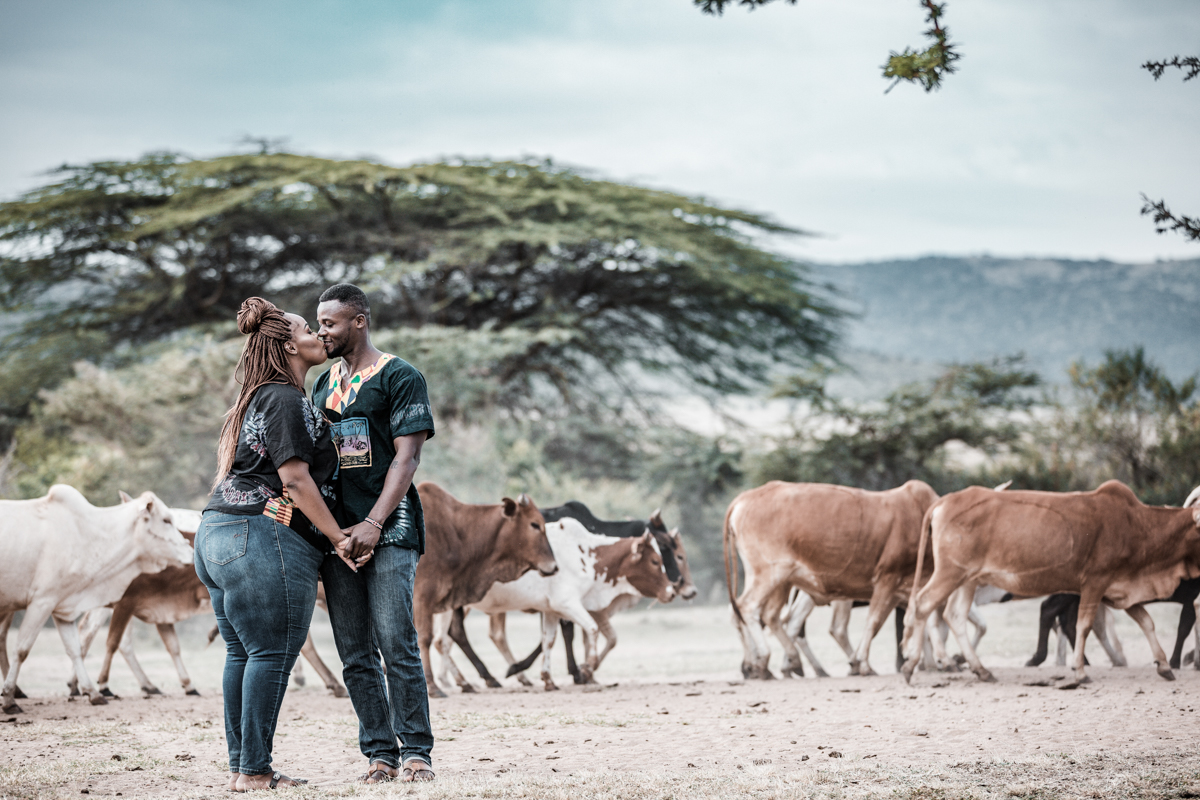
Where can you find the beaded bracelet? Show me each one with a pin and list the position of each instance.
(373, 522)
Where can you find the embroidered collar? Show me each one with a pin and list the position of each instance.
(343, 390)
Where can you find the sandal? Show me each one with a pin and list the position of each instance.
(414, 770)
(378, 773)
(276, 777)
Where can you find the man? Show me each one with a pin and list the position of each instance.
(378, 405)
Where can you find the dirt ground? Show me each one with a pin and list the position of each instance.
(645, 734)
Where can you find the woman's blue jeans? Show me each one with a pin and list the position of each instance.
(372, 615)
(262, 578)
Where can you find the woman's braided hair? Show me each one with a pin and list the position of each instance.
(263, 361)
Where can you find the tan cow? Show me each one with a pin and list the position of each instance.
(834, 542)
(1104, 545)
(61, 556)
(468, 549)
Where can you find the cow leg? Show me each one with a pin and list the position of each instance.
(1142, 617)
(609, 633)
(31, 625)
(549, 632)
(298, 676)
(423, 621)
(1047, 614)
(1196, 636)
(757, 653)
(1089, 603)
(957, 608)
(5, 624)
(1066, 644)
(170, 639)
(309, 651)
(799, 609)
(1187, 619)
(899, 617)
(574, 611)
(568, 632)
(458, 632)
(443, 643)
(934, 655)
(941, 585)
(126, 648)
(89, 624)
(1107, 634)
(839, 628)
(882, 602)
(497, 632)
(69, 634)
(980, 624)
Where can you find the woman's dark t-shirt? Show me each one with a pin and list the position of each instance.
(280, 424)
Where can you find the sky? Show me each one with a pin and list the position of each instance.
(1039, 146)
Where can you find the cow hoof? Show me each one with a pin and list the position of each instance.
(524, 681)
(192, 693)
(865, 669)
(12, 708)
(820, 672)
(74, 687)
(467, 688)
(98, 700)
(492, 683)
(107, 692)
(909, 667)
(1165, 672)
(960, 659)
(550, 687)
(435, 692)
(1034, 662)
(150, 690)
(339, 691)
(986, 676)
(19, 695)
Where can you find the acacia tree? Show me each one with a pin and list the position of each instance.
(116, 253)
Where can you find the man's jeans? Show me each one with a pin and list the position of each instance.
(262, 578)
(372, 615)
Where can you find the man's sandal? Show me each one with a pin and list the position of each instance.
(416, 770)
(377, 774)
(276, 777)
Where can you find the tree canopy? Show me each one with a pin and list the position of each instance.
(1166, 220)
(110, 253)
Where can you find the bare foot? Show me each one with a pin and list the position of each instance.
(233, 779)
(416, 770)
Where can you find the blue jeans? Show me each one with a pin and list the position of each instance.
(372, 616)
(262, 578)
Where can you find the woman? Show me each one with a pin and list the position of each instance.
(260, 539)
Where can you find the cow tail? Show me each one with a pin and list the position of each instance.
(730, 552)
(926, 529)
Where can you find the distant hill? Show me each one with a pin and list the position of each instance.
(962, 309)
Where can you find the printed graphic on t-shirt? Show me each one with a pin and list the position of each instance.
(352, 437)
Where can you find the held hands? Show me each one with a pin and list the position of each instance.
(341, 546)
(360, 541)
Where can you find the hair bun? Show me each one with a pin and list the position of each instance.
(252, 313)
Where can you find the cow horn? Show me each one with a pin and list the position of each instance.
(524, 500)
(125, 498)
(1003, 486)
(1193, 498)
(656, 518)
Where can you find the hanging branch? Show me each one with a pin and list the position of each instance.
(926, 67)
(1165, 221)
(1190, 63)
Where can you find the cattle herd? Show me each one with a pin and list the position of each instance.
(803, 544)
(930, 560)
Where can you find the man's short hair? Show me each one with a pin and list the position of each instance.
(350, 295)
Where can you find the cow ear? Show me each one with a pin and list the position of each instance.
(656, 518)
(510, 507)
(149, 506)
(125, 498)
(1193, 498)
(674, 534)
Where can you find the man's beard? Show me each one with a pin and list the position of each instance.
(335, 349)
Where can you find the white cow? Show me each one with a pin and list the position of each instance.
(595, 573)
(61, 556)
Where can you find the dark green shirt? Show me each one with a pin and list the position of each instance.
(367, 412)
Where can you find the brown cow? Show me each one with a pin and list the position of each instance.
(834, 542)
(1104, 545)
(468, 549)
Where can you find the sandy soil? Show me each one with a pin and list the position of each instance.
(1127, 734)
